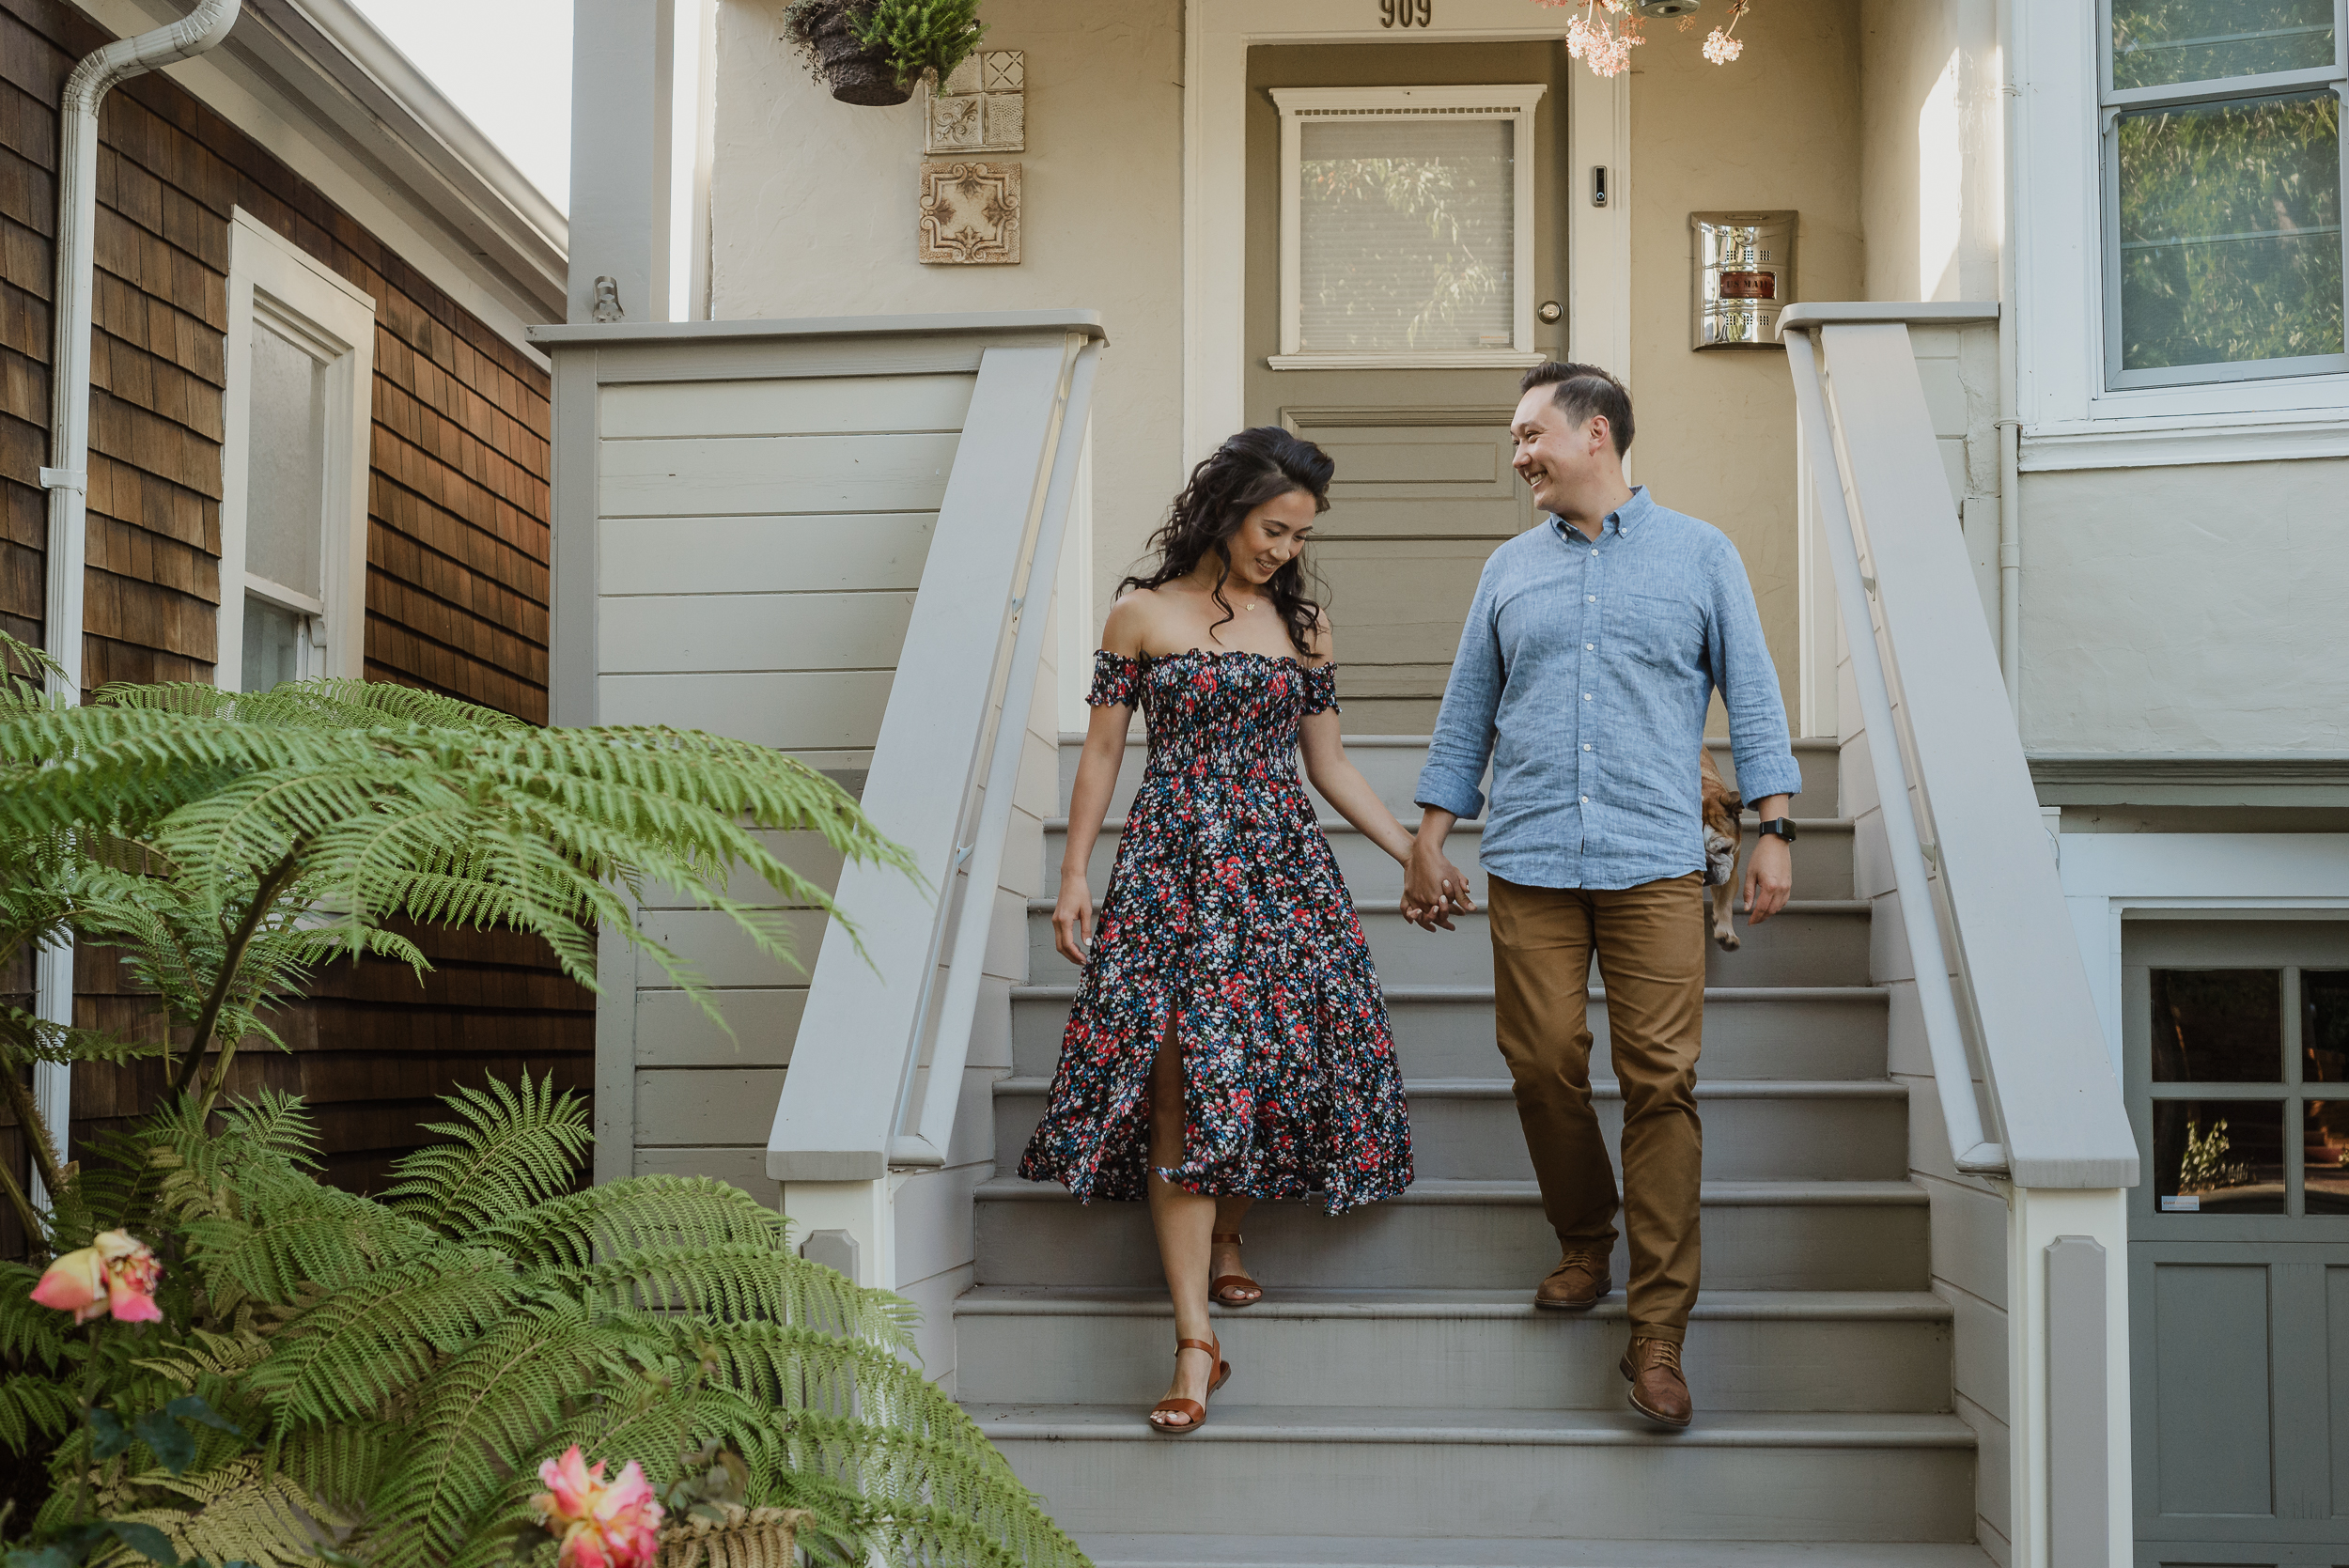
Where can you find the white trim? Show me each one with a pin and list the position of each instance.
(273, 282)
(2108, 876)
(1512, 101)
(420, 219)
(1598, 238)
(2070, 418)
(1218, 34)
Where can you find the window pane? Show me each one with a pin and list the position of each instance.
(272, 645)
(285, 473)
(2156, 43)
(2325, 1026)
(2231, 232)
(2325, 1167)
(1407, 235)
(2218, 1157)
(2219, 1026)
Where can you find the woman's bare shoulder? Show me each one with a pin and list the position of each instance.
(1320, 643)
(1129, 620)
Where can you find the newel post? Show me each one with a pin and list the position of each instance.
(623, 67)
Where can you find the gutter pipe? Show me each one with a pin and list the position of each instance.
(68, 483)
(2010, 426)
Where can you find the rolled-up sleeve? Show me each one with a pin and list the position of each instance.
(1463, 741)
(1747, 680)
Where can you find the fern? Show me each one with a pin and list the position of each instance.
(507, 1153)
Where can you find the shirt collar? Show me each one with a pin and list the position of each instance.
(1619, 522)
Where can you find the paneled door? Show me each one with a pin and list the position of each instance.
(2237, 1034)
(1405, 245)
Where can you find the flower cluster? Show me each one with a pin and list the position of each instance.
(115, 1273)
(602, 1524)
(1604, 46)
(1719, 46)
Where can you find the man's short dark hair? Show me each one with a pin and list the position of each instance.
(1585, 390)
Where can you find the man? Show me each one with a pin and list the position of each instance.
(1590, 657)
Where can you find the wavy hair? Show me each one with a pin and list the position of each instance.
(1247, 470)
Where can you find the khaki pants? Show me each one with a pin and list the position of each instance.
(1650, 942)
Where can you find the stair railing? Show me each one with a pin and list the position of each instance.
(1995, 948)
(876, 1068)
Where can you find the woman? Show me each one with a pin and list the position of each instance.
(1229, 1017)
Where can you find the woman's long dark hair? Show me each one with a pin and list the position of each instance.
(1251, 468)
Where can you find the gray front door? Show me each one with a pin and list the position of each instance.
(1425, 491)
(2237, 1034)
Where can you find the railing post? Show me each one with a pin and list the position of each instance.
(2068, 1378)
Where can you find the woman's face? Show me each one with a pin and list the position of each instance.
(1271, 535)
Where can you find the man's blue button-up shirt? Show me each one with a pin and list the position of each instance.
(1585, 673)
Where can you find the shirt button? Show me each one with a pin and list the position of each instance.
(1586, 745)
(1595, 553)
(1590, 598)
(1586, 696)
(1590, 648)
(1586, 799)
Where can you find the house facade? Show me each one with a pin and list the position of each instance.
(318, 445)
(2026, 1225)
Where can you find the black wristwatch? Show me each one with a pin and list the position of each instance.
(1779, 827)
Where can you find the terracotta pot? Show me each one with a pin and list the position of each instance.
(854, 73)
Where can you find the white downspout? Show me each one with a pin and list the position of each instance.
(2010, 426)
(68, 483)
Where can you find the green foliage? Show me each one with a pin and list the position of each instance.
(917, 36)
(381, 1379)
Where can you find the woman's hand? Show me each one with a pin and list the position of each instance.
(1072, 920)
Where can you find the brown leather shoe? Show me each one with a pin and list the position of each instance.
(1658, 1392)
(1576, 1284)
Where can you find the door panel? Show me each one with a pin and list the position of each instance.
(2238, 1270)
(1424, 491)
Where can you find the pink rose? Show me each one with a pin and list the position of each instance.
(115, 1273)
(602, 1525)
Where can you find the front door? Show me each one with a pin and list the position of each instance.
(1405, 266)
(2237, 1034)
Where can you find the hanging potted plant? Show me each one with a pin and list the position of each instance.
(874, 51)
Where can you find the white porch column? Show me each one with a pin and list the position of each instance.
(623, 65)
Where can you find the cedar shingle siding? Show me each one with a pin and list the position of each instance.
(456, 542)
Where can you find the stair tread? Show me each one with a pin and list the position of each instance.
(1792, 906)
(1602, 1088)
(1873, 995)
(1445, 1304)
(1899, 1194)
(1233, 1422)
(1387, 1551)
(1475, 825)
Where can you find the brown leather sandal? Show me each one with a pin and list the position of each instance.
(1233, 1290)
(1194, 1409)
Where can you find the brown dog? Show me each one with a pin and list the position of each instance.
(1723, 843)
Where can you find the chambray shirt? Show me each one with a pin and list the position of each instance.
(1585, 670)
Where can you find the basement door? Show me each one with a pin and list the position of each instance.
(1406, 264)
(2237, 1036)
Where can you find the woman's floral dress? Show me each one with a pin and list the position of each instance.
(1226, 913)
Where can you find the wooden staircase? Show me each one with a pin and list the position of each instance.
(1396, 1400)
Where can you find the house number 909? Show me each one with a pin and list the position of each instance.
(1407, 13)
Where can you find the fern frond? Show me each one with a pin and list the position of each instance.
(236, 1513)
(35, 1412)
(298, 1232)
(639, 1211)
(511, 1150)
(355, 1349)
(737, 1284)
(29, 1333)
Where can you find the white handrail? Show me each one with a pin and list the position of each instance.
(924, 1142)
(1945, 1037)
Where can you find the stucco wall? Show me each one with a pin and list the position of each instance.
(812, 214)
(2186, 610)
(1930, 175)
(1778, 129)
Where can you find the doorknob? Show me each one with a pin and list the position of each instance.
(1550, 313)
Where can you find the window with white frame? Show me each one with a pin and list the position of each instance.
(2223, 190)
(301, 358)
(1407, 226)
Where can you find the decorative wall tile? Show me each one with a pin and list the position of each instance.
(970, 213)
(982, 108)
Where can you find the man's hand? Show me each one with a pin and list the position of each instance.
(1769, 878)
(1433, 890)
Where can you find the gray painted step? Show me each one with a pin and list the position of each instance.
(1379, 1551)
(1811, 942)
(1391, 764)
(1466, 1129)
(1527, 1474)
(1747, 1350)
(1822, 857)
(1447, 1030)
(1473, 1236)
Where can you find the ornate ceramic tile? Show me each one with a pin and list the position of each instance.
(970, 213)
(982, 108)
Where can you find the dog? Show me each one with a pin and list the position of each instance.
(1723, 844)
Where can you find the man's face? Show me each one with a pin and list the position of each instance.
(1554, 453)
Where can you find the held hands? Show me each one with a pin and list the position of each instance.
(1072, 919)
(1769, 880)
(1433, 890)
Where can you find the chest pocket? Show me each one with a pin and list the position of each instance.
(1666, 633)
